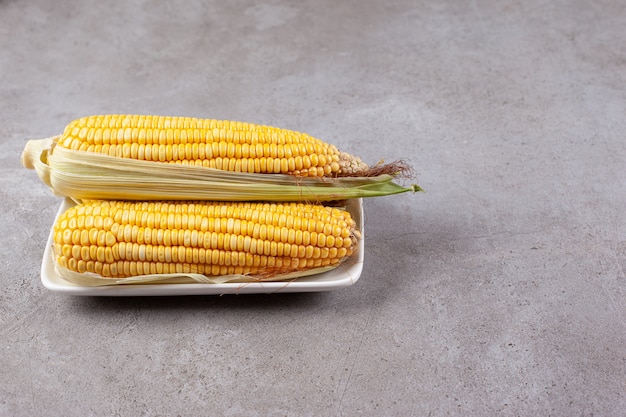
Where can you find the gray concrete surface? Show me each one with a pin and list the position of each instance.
(500, 291)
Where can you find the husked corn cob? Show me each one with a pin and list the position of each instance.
(225, 145)
(117, 239)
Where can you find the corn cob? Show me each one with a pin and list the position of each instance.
(225, 145)
(128, 157)
(118, 239)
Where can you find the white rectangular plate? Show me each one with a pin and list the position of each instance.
(343, 276)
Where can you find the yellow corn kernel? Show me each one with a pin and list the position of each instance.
(233, 146)
(119, 239)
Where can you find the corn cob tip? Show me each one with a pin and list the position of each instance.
(353, 166)
(350, 165)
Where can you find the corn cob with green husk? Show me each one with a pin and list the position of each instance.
(148, 241)
(152, 157)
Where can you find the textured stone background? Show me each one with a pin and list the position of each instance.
(499, 291)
